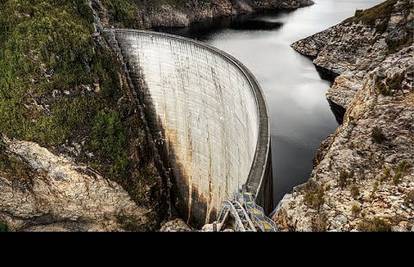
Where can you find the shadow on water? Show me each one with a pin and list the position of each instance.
(204, 29)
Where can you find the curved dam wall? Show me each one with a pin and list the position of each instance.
(211, 112)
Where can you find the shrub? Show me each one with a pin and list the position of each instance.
(319, 223)
(314, 195)
(374, 225)
(377, 135)
(3, 227)
(344, 178)
(355, 191)
(108, 138)
(356, 209)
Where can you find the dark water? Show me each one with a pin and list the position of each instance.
(301, 116)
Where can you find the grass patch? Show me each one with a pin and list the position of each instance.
(49, 66)
(108, 138)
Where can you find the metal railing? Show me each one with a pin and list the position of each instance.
(242, 214)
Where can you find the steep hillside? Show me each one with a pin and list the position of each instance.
(63, 88)
(363, 178)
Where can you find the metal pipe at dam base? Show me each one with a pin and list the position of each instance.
(212, 114)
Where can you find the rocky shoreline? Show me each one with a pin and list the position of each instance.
(363, 179)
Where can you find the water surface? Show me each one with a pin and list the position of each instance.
(295, 93)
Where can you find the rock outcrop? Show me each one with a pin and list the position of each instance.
(358, 45)
(41, 191)
(363, 178)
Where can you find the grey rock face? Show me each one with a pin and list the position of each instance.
(364, 175)
(171, 16)
(358, 45)
(59, 195)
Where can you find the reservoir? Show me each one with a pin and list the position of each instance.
(300, 114)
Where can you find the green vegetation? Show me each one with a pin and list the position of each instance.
(109, 139)
(356, 209)
(377, 135)
(59, 86)
(3, 227)
(374, 225)
(314, 195)
(13, 168)
(123, 13)
(377, 16)
(49, 67)
(344, 178)
(355, 191)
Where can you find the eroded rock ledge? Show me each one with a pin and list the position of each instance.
(364, 176)
(41, 191)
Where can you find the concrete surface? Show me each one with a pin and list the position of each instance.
(211, 111)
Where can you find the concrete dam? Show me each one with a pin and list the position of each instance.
(211, 112)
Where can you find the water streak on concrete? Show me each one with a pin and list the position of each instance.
(212, 114)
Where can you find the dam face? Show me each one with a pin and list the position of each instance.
(213, 117)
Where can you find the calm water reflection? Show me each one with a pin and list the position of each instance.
(300, 114)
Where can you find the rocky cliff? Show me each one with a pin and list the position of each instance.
(363, 179)
(164, 13)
